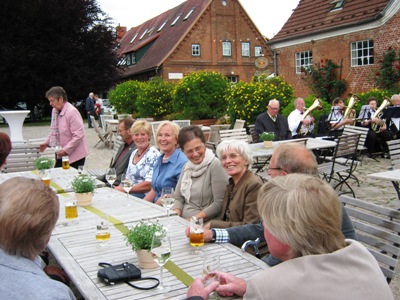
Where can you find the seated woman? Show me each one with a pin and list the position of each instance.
(168, 166)
(302, 225)
(201, 186)
(240, 199)
(28, 213)
(142, 160)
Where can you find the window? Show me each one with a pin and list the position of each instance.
(134, 37)
(362, 53)
(246, 49)
(151, 30)
(258, 51)
(337, 4)
(188, 14)
(161, 27)
(128, 59)
(232, 79)
(131, 59)
(226, 49)
(176, 20)
(143, 34)
(303, 61)
(195, 50)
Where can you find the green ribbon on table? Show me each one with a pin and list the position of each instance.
(59, 189)
(184, 277)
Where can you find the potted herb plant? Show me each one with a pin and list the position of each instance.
(267, 138)
(83, 186)
(139, 238)
(43, 166)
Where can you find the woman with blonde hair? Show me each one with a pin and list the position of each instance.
(142, 160)
(169, 164)
(28, 213)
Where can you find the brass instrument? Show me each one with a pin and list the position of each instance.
(303, 129)
(349, 112)
(378, 114)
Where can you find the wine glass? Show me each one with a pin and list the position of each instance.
(167, 199)
(161, 252)
(111, 176)
(127, 183)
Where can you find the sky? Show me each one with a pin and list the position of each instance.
(268, 15)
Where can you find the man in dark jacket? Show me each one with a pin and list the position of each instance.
(89, 106)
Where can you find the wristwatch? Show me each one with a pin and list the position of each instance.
(213, 235)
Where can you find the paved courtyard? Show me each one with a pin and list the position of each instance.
(371, 190)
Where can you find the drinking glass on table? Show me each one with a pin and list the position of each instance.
(127, 183)
(71, 210)
(161, 252)
(211, 263)
(65, 162)
(167, 199)
(45, 176)
(196, 236)
(111, 176)
(102, 231)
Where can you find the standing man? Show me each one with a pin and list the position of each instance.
(89, 105)
(272, 121)
(121, 159)
(297, 125)
(66, 129)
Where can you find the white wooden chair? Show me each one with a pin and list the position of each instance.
(154, 126)
(239, 124)
(378, 228)
(394, 152)
(362, 131)
(103, 119)
(21, 158)
(103, 135)
(182, 123)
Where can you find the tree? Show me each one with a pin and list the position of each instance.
(387, 76)
(54, 42)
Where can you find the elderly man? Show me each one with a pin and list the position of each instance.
(89, 106)
(297, 125)
(392, 116)
(301, 217)
(287, 158)
(272, 121)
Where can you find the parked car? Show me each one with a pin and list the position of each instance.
(108, 109)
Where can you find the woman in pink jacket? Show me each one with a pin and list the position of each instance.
(66, 130)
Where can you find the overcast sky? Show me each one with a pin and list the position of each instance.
(268, 15)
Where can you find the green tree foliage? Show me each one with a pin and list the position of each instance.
(54, 42)
(387, 76)
(201, 95)
(324, 80)
(124, 96)
(155, 98)
(249, 99)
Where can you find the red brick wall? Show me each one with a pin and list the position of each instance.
(217, 24)
(358, 79)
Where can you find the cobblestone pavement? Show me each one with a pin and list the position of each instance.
(376, 191)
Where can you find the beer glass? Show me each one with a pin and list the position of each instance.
(211, 264)
(196, 236)
(71, 210)
(102, 231)
(45, 176)
(65, 162)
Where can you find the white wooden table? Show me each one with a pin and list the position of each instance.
(79, 255)
(60, 178)
(393, 176)
(120, 209)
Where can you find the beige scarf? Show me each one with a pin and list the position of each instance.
(193, 171)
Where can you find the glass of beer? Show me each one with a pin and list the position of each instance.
(71, 210)
(45, 176)
(196, 236)
(102, 231)
(65, 162)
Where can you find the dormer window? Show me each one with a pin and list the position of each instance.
(176, 20)
(337, 4)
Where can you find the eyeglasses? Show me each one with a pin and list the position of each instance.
(276, 169)
(273, 108)
(123, 129)
(197, 150)
(231, 156)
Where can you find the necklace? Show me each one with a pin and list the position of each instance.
(144, 151)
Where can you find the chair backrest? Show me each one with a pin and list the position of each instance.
(347, 146)
(154, 126)
(117, 143)
(253, 133)
(363, 131)
(233, 134)
(96, 126)
(21, 158)
(394, 152)
(239, 124)
(378, 228)
(214, 136)
(182, 123)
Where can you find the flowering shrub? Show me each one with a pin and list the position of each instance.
(324, 81)
(155, 98)
(249, 99)
(124, 96)
(388, 75)
(201, 95)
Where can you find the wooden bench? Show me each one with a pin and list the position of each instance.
(394, 152)
(362, 131)
(21, 158)
(378, 228)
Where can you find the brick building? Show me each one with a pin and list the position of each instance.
(197, 35)
(352, 33)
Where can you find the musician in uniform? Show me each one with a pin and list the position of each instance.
(392, 116)
(336, 117)
(376, 140)
(297, 125)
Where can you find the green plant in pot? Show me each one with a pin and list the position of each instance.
(139, 238)
(267, 138)
(43, 163)
(83, 186)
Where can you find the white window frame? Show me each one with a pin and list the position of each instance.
(226, 48)
(258, 51)
(245, 49)
(303, 61)
(362, 53)
(196, 50)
